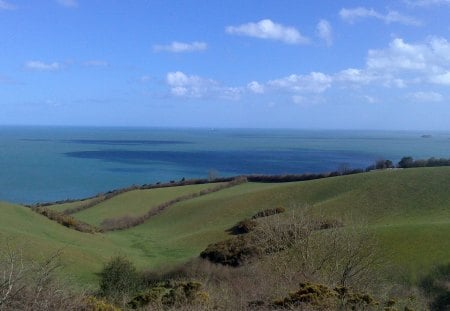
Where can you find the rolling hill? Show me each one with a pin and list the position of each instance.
(409, 210)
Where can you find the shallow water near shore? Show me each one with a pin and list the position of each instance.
(55, 163)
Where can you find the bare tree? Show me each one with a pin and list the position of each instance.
(31, 285)
(305, 245)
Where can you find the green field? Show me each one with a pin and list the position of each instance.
(61, 207)
(136, 202)
(409, 210)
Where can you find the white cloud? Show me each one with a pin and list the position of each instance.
(4, 5)
(181, 47)
(417, 62)
(325, 32)
(426, 97)
(315, 82)
(96, 63)
(68, 3)
(189, 86)
(354, 75)
(192, 86)
(355, 14)
(402, 65)
(266, 29)
(255, 87)
(41, 66)
(399, 55)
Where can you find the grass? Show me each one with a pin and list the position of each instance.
(65, 206)
(83, 254)
(409, 210)
(134, 203)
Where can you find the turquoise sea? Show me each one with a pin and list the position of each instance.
(54, 163)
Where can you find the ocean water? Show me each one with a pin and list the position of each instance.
(54, 163)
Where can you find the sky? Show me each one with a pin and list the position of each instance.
(226, 64)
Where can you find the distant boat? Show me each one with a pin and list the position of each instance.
(426, 136)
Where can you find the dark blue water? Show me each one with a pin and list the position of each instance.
(55, 163)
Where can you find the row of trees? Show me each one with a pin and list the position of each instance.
(409, 162)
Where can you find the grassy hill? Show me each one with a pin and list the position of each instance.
(134, 203)
(409, 210)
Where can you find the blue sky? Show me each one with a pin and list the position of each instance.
(263, 64)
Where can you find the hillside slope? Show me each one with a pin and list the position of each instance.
(409, 210)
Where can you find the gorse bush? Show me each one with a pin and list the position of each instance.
(232, 252)
(66, 220)
(322, 297)
(171, 294)
(96, 304)
(243, 227)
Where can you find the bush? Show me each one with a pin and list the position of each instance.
(314, 294)
(269, 212)
(232, 252)
(66, 220)
(95, 304)
(437, 286)
(171, 294)
(118, 279)
(324, 297)
(243, 227)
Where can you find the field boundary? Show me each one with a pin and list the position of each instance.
(126, 222)
(66, 220)
(101, 197)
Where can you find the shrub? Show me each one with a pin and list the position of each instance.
(171, 294)
(269, 212)
(406, 162)
(66, 220)
(383, 164)
(118, 279)
(232, 252)
(96, 304)
(314, 294)
(324, 297)
(243, 227)
(437, 287)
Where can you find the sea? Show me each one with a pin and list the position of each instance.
(42, 164)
